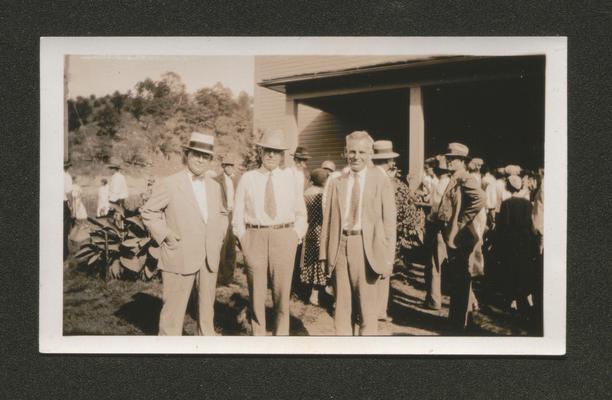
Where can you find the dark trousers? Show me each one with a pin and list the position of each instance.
(67, 227)
(227, 262)
(460, 287)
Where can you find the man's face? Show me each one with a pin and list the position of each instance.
(358, 154)
(455, 163)
(299, 163)
(271, 158)
(228, 169)
(198, 162)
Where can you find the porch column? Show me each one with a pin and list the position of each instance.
(291, 127)
(416, 149)
(66, 72)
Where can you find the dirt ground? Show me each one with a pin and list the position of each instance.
(93, 306)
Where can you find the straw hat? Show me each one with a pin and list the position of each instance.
(202, 142)
(229, 159)
(301, 153)
(328, 165)
(383, 150)
(458, 150)
(273, 139)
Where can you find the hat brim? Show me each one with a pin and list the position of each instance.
(301, 157)
(267, 146)
(114, 166)
(457, 156)
(385, 156)
(198, 150)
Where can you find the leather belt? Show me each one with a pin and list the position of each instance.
(279, 226)
(347, 232)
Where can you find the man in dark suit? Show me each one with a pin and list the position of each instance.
(228, 180)
(462, 212)
(185, 215)
(358, 236)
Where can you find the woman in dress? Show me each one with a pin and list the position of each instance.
(312, 273)
(515, 241)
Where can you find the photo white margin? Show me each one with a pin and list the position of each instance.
(52, 52)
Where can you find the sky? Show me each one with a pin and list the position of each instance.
(103, 75)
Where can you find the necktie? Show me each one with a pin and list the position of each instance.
(270, 201)
(354, 207)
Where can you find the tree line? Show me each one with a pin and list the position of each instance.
(148, 125)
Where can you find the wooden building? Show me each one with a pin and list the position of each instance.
(495, 105)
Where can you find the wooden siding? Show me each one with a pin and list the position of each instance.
(320, 132)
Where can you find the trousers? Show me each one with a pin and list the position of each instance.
(436, 256)
(176, 291)
(269, 254)
(356, 289)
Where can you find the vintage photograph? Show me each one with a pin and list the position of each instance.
(292, 190)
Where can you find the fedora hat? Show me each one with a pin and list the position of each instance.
(229, 159)
(202, 142)
(273, 139)
(383, 150)
(431, 162)
(301, 153)
(328, 165)
(458, 150)
(115, 163)
(513, 170)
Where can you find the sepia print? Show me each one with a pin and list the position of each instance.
(297, 196)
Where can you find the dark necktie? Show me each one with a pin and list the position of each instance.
(270, 201)
(354, 208)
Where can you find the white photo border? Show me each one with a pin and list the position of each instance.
(52, 54)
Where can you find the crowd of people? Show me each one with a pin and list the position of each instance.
(334, 231)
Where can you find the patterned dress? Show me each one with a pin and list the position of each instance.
(311, 272)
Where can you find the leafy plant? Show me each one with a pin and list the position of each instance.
(410, 218)
(120, 246)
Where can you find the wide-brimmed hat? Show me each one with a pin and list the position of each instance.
(458, 150)
(229, 159)
(273, 139)
(115, 163)
(383, 150)
(328, 165)
(512, 170)
(202, 142)
(431, 162)
(301, 153)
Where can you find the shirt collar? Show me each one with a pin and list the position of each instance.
(264, 171)
(361, 173)
(192, 176)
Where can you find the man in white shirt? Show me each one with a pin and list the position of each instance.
(67, 205)
(185, 215)
(384, 159)
(430, 180)
(269, 220)
(118, 189)
(228, 180)
(358, 237)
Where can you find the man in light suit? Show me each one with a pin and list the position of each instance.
(462, 212)
(358, 236)
(228, 180)
(186, 217)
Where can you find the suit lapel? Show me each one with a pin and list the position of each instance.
(368, 190)
(211, 200)
(342, 184)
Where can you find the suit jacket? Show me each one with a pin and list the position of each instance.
(220, 179)
(378, 221)
(462, 210)
(172, 207)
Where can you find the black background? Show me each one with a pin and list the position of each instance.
(584, 372)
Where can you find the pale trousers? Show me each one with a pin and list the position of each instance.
(356, 289)
(384, 285)
(269, 254)
(176, 291)
(436, 256)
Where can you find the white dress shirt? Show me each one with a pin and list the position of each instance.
(250, 196)
(298, 176)
(361, 175)
(229, 191)
(118, 187)
(67, 185)
(199, 191)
